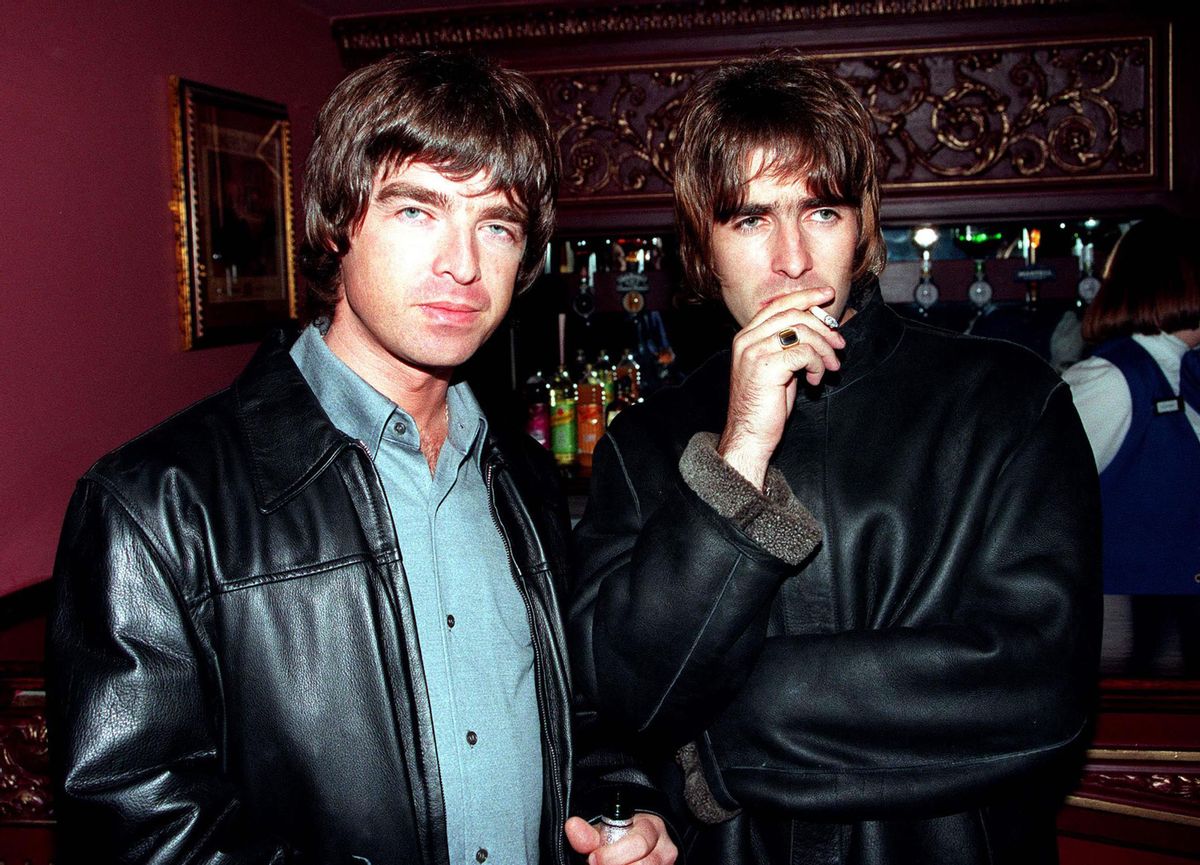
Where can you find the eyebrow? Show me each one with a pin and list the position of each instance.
(504, 213)
(390, 192)
(756, 208)
(401, 190)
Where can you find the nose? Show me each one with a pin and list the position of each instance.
(457, 255)
(791, 256)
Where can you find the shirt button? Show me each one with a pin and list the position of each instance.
(481, 855)
(400, 427)
(472, 738)
(449, 621)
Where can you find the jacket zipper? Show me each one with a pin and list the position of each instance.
(537, 675)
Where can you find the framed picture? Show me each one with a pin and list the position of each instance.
(233, 215)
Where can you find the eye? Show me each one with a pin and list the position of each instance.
(502, 231)
(826, 214)
(748, 223)
(411, 212)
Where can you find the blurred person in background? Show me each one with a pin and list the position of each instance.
(1138, 395)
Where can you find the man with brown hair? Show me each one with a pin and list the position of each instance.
(313, 617)
(845, 579)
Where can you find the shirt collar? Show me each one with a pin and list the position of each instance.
(468, 424)
(1170, 342)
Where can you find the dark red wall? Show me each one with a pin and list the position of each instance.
(89, 335)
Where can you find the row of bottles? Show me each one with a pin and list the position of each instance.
(570, 412)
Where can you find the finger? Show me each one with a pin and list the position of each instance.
(788, 330)
(773, 357)
(800, 340)
(791, 317)
(634, 847)
(788, 351)
(800, 298)
(581, 835)
(665, 852)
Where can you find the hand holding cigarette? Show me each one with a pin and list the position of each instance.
(790, 335)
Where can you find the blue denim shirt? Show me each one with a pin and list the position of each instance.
(472, 624)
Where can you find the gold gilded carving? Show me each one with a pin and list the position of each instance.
(959, 116)
(616, 130)
(1170, 786)
(1042, 111)
(24, 769)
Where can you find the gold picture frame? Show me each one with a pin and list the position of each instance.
(232, 204)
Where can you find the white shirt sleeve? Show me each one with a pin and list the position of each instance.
(1102, 399)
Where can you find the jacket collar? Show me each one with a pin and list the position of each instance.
(289, 436)
(872, 334)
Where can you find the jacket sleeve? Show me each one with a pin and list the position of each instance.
(861, 724)
(672, 599)
(131, 705)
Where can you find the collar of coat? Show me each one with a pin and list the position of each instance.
(290, 438)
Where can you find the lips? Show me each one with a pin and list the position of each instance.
(451, 311)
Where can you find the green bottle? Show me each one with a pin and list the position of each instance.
(563, 428)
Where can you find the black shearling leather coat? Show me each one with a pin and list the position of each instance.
(233, 660)
(918, 690)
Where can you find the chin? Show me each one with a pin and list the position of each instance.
(443, 359)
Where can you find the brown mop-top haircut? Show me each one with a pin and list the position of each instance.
(454, 111)
(807, 123)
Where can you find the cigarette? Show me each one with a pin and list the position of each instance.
(825, 318)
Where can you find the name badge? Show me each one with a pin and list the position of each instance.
(1166, 406)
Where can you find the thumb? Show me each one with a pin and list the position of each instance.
(581, 836)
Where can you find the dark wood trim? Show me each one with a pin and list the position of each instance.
(538, 21)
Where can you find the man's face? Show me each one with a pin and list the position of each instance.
(430, 271)
(783, 239)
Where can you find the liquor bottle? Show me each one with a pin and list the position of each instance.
(589, 412)
(562, 418)
(628, 368)
(607, 370)
(618, 403)
(615, 821)
(577, 367)
(537, 401)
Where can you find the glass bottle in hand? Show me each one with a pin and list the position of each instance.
(616, 820)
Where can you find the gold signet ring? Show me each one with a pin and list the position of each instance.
(788, 338)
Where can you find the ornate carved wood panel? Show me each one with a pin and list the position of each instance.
(958, 116)
(24, 756)
(26, 807)
(1037, 104)
(1141, 780)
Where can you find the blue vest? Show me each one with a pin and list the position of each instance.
(1151, 489)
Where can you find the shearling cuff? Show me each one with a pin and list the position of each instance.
(696, 792)
(774, 519)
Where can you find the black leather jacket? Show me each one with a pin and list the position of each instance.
(233, 659)
(918, 689)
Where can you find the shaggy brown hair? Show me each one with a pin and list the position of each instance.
(454, 111)
(808, 123)
(1151, 282)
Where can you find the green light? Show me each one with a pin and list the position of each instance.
(981, 237)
